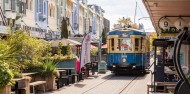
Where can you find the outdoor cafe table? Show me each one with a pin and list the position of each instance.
(60, 77)
(16, 85)
(68, 70)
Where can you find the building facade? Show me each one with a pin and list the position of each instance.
(106, 25)
(42, 18)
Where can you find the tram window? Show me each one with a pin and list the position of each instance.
(136, 44)
(112, 44)
(141, 42)
(119, 44)
(126, 44)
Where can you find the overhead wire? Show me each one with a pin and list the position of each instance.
(141, 13)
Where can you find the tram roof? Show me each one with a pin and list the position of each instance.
(129, 32)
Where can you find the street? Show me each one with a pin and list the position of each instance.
(108, 84)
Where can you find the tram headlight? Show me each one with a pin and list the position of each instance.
(133, 66)
(114, 66)
(124, 60)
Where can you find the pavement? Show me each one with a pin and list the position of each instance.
(107, 84)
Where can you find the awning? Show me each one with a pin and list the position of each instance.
(74, 42)
(55, 43)
(160, 8)
(104, 46)
(93, 47)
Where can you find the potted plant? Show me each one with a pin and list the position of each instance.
(5, 78)
(46, 72)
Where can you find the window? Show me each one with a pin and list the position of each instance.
(61, 3)
(136, 44)
(125, 44)
(50, 12)
(31, 4)
(112, 44)
(13, 4)
(44, 8)
(119, 44)
(27, 4)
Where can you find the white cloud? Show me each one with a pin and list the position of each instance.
(115, 9)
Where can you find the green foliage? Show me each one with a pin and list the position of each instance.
(37, 67)
(45, 69)
(58, 58)
(19, 50)
(49, 69)
(59, 48)
(93, 52)
(104, 36)
(5, 74)
(48, 50)
(17, 74)
(64, 29)
(68, 49)
(127, 23)
(27, 49)
(153, 35)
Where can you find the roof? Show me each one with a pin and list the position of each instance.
(160, 8)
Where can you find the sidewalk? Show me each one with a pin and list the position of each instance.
(83, 85)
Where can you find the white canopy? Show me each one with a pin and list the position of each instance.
(55, 43)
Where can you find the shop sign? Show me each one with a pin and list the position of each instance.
(167, 27)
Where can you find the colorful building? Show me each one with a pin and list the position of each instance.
(97, 21)
(42, 18)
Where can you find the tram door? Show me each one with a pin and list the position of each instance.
(137, 51)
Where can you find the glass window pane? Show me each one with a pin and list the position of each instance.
(126, 44)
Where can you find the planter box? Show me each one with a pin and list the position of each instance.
(6, 90)
(50, 82)
(68, 64)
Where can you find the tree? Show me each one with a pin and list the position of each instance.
(68, 49)
(104, 36)
(153, 35)
(127, 23)
(64, 29)
(59, 48)
(19, 50)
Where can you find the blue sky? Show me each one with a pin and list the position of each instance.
(115, 9)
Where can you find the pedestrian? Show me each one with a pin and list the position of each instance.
(78, 70)
(77, 65)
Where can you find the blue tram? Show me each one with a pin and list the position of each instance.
(128, 51)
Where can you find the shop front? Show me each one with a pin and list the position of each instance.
(171, 20)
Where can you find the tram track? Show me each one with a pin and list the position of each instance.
(113, 77)
(98, 84)
(127, 86)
